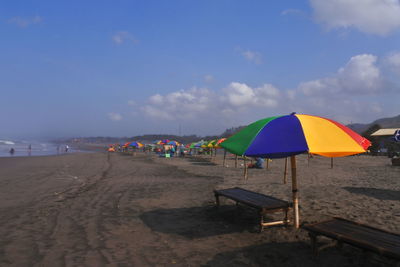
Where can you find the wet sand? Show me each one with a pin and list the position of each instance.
(118, 210)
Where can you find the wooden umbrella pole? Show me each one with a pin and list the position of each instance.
(295, 192)
(236, 160)
(224, 158)
(285, 173)
(331, 163)
(267, 160)
(245, 168)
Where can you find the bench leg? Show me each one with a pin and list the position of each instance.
(261, 215)
(286, 220)
(217, 200)
(314, 245)
(339, 244)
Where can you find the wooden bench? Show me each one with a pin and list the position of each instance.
(359, 235)
(262, 203)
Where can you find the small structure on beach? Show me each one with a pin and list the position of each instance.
(389, 140)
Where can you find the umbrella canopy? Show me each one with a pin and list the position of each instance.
(219, 142)
(136, 144)
(199, 144)
(289, 135)
(174, 143)
(126, 144)
(205, 144)
(212, 143)
(191, 145)
(284, 136)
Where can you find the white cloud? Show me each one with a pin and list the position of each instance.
(252, 56)
(132, 103)
(114, 116)
(356, 92)
(208, 78)
(156, 99)
(202, 102)
(24, 22)
(393, 61)
(370, 16)
(240, 95)
(122, 37)
(359, 76)
(183, 104)
(291, 94)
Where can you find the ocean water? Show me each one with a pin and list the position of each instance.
(21, 148)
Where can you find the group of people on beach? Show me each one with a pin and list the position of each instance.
(29, 150)
(12, 150)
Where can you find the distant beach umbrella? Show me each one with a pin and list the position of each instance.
(126, 144)
(219, 142)
(199, 144)
(135, 144)
(174, 143)
(205, 144)
(212, 143)
(289, 135)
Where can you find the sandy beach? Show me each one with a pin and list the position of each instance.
(99, 209)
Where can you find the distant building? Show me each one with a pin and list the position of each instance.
(389, 141)
(385, 132)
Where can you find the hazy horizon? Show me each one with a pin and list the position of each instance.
(127, 68)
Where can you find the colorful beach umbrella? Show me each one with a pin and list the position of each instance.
(289, 135)
(219, 142)
(126, 144)
(205, 144)
(212, 143)
(284, 136)
(136, 144)
(199, 144)
(174, 143)
(193, 145)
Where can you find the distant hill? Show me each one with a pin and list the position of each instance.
(393, 122)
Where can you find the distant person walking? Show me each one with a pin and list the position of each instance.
(12, 151)
(29, 149)
(66, 148)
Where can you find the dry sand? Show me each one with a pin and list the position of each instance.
(118, 210)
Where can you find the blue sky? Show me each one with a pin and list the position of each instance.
(123, 68)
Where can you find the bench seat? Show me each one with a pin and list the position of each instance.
(356, 234)
(262, 203)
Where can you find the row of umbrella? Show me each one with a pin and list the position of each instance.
(200, 144)
(290, 135)
(216, 143)
(167, 142)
